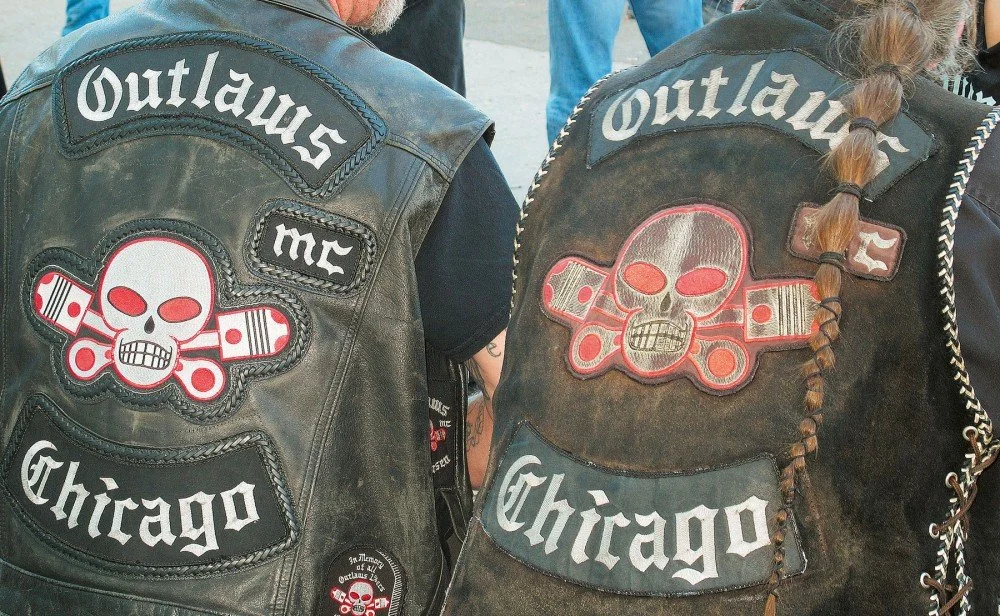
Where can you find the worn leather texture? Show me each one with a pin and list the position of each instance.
(894, 413)
(345, 416)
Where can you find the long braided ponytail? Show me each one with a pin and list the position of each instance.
(893, 41)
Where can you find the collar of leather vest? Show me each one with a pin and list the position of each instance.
(319, 9)
(827, 13)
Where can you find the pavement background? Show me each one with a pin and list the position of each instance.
(506, 63)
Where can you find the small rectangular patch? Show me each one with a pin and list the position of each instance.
(874, 253)
(317, 249)
(636, 534)
(262, 99)
(211, 508)
(785, 91)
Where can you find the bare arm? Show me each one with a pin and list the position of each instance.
(485, 368)
(991, 18)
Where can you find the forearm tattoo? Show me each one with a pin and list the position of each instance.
(479, 408)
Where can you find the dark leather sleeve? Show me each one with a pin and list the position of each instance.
(977, 277)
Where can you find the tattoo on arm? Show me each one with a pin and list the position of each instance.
(475, 421)
(493, 350)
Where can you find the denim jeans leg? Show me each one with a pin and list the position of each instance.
(81, 12)
(581, 39)
(663, 22)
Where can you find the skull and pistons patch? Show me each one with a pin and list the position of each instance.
(363, 581)
(679, 301)
(158, 317)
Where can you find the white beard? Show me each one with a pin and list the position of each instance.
(385, 15)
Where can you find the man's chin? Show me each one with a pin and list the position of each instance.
(386, 14)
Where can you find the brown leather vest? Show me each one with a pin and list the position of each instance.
(662, 309)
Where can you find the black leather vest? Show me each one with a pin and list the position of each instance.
(214, 398)
(663, 303)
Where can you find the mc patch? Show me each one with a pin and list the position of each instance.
(211, 508)
(873, 253)
(318, 250)
(290, 113)
(644, 534)
(363, 581)
(679, 301)
(158, 317)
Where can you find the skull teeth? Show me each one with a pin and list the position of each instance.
(145, 354)
(658, 337)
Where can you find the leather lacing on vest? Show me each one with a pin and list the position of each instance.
(954, 531)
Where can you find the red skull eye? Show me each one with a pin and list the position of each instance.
(366, 598)
(179, 309)
(645, 278)
(128, 301)
(354, 596)
(701, 281)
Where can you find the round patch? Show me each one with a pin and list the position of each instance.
(363, 581)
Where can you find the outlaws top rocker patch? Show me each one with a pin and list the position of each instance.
(678, 302)
(363, 581)
(292, 114)
(157, 317)
(784, 91)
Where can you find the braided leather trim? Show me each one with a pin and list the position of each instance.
(143, 127)
(980, 433)
(554, 150)
(127, 454)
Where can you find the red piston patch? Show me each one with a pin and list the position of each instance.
(679, 301)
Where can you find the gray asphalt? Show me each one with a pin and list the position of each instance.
(506, 66)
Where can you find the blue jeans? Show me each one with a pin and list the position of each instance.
(79, 13)
(582, 36)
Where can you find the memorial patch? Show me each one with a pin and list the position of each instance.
(363, 581)
(168, 320)
(636, 534)
(321, 251)
(680, 301)
(785, 91)
(262, 99)
(211, 508)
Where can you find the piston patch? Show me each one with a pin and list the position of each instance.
(157, 316)
(679, 301)
(637, 533)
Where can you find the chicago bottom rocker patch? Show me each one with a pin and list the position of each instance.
(363, 581)
(679, 301)
(210, 508)
(158, 317)
(636, 534)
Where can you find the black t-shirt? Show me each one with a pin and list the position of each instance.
(465, 265)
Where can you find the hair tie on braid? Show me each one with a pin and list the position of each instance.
(835, 259)
(866, 124)
(889, 68)
(913, 8)
(849, 188)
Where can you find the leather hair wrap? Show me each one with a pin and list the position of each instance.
(864, 123)
(850, 189)
(835, 259)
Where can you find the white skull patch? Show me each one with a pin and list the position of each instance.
(679, 301)
(153, 320)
